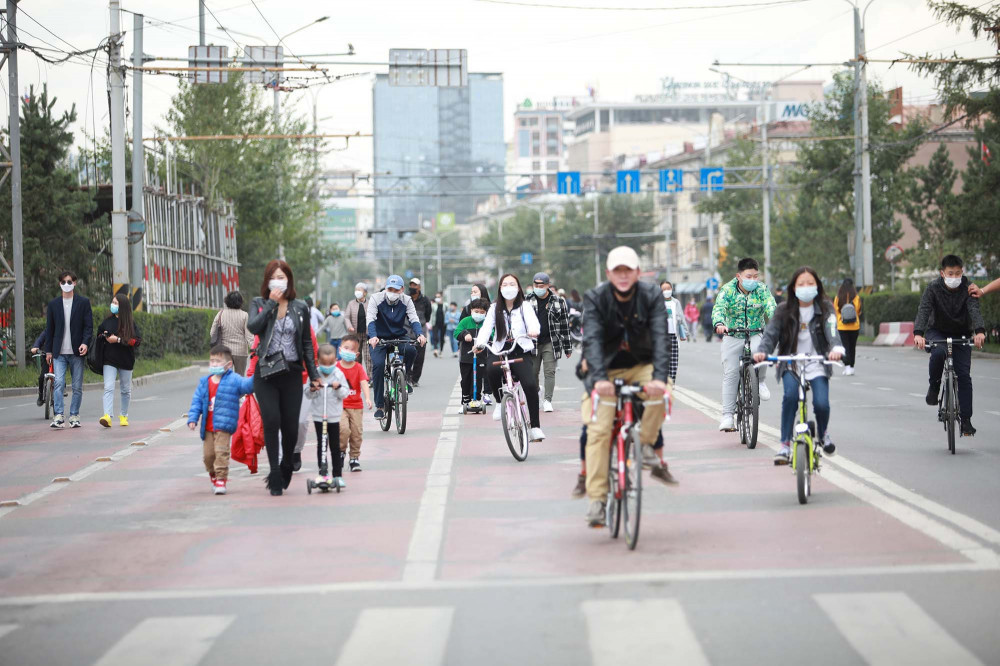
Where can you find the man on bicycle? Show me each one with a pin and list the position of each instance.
(743, 302)
(387, 315)
(624, 337)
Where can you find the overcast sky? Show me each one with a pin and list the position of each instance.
(540, 51)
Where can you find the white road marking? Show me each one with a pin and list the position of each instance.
(884, 388)
(392, 636)
(623, 631)
(917, 395)
(857, 383)
(6, 629)
(179, 641)
(989, 411)
(890, 628)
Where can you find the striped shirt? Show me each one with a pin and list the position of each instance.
(234, 333)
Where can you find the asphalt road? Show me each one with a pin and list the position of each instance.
(445, 550)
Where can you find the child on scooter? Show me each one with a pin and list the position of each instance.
(328, 407)
(465, 333)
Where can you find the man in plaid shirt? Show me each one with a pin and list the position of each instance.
(554, 340)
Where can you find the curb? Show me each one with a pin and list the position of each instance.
(154, 378)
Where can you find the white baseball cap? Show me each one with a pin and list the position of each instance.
(623, 255)
(415, 281)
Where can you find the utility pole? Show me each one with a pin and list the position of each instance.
(859, 274)
(137, 221)
(14, 129)
(201, 22)
(765, 178)
(866, 172)
(668, 223)
(119, 214)
(437, 237)
(597, 241)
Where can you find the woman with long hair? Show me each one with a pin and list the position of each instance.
(804, 324)
(118, 336)
(515, 326)
(848, 295)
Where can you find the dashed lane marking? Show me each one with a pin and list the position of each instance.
(179, 641)
(412, 636)
(648, 631)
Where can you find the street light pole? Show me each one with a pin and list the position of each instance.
(597, 247)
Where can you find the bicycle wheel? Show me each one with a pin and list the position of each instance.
(633, 488)
(802, 472)
(402, 397)
(951, 412)
(613, 508)
(387, 407)
(47, 397)
(739, 413)
(513, 429)
(752, 407)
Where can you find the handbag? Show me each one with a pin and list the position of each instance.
(95, 356)
(272, 364)
(217, 338)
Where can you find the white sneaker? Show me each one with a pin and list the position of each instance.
(848, 371)
(547, 406)
(763, 392)
(537, 435)
(496, 412)
(726, 424)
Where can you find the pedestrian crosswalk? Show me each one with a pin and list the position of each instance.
(880, 629)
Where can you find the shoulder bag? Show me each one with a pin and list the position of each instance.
(276, 363)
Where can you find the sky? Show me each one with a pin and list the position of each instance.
(541, 51)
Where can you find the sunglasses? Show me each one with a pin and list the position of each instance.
(66, 282)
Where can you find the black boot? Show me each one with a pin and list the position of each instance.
(967, 429)
(286, 473)
(296, 462)
(273, 481)
(932, 393)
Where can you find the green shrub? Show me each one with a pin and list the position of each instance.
(889, 306)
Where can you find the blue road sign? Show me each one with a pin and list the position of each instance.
(568, 182)
(527, 259)
(712, 179)
(628, 181)
(334, 284)
(409, 274)
(711, 284)
(672, 180)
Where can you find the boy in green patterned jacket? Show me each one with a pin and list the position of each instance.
(743, 302)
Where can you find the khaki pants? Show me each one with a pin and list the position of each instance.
(546, 354)
(599, 432)
(350, 431)
(215, 451)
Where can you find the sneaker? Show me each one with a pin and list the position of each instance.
(57, 422)
(74, 422)
(487, 400)
(105, 421)
(763, 391)
(409, 387)
(496, 412)
(39, 401)
(123, 421)
(296, 462)
(547, 406)
(220, 486)
(581, 487)
(784, 455)
(415, 384)
(849, 371)
(662, 474)
(211, 478)
(464, 408)
(596, 514)
(649, 458)
(829, 448)
(379, 414)
(338, 482)
(967, 429)
(537, 435)
(932, 393)
(355, 465)
(726, 424)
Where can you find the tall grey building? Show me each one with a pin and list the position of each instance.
(437, 136)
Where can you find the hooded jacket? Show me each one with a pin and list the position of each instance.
(953, 313)
(226, 411)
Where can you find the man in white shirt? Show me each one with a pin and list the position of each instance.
(69, 326)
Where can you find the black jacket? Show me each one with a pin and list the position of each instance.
(264, 312)
(119, 355)
(422, 305)
(705, 315)
(953, 313)
(822, 330)
(81, 324)
(604, 331)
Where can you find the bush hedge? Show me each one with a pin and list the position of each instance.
(889, 306)
(183, 331)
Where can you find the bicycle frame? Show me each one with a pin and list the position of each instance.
(803, 433)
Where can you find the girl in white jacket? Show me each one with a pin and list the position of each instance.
(327, 403)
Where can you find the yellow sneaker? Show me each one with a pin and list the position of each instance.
(106, 421)
(123, 420)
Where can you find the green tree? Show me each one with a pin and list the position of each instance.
(931, 208)
(58, 229)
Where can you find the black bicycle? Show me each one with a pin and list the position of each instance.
(394, 388)
(48, 385)
(747, 391)
(949, 412)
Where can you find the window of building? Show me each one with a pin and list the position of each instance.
(552, 165)
(536, 144)
(523, 143)
(533, 121)
(605, 119)
(536, 166)
(522, 122)
(552, 122)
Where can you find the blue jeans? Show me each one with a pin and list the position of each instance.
(790, 404)
(454, 341)
(125, 379)
(74, 363)
(336, 345)
(378, 368)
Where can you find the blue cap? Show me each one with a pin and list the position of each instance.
(542, 277)
(394, 281)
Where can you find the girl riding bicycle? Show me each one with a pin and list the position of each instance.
(516, 325)
(804, 324)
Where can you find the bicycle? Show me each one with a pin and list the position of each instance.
(48, 386)
(806, 447)
(514, 408)
(394, 391)
(948, 408)
(747, 392)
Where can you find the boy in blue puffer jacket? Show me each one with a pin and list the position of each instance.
(217, 399)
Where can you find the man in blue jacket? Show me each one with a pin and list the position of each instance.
(387, 314)
(69, 326)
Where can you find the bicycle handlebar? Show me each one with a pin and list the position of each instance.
(751, 331)
(807, 358)
(393, 343)
(961, 342)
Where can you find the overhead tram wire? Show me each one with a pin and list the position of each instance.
(542, 5)
(280, 42)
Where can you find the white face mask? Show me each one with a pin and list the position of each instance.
(667, 293)
(437, 300)
(952, 282)
(67, 287)
(359, 295)
(391, 296)
(508, 292)
(280, 285)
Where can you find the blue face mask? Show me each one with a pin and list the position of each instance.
(114, 308)
(216, 369)
(335, 313)
(478, 317)
(348, 356)
(806, 294)
(749, 285)
(327, 369)
(540, 291)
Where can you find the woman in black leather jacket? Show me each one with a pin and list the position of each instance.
(282, 324)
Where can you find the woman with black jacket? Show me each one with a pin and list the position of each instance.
(117, 337)
(282, 324)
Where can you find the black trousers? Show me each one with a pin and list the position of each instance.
(523, 372)
(961, 356)
(439, 335)
(418, 363)
(850, 340)
(334, 456)
(280, 399)
(466, 371)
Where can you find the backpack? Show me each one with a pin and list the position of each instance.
(848, 314)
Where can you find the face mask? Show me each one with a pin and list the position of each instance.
(348, 356)
(114, 308)
(806, 294)
(510, 293)
(478, 317)
(280, 285)
(437, 300)
(67, 287)
(326, 369)
(952, 282)
(335, 313)
(359, 295)
(667, 293)
(216, 369)
(414, 292)
(540, 291)
(392, 296)
(749, 285)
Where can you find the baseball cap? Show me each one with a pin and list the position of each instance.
(394, 281)
(415, 281)
(542, 277)
(623, 255)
